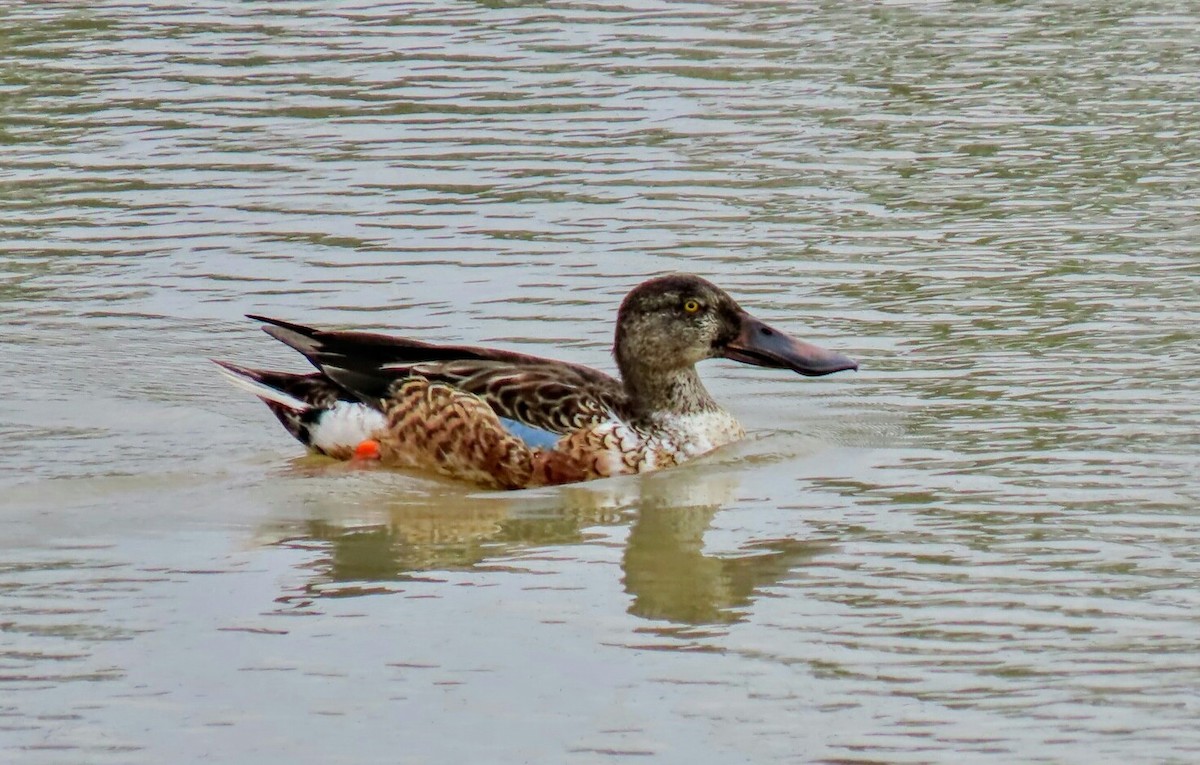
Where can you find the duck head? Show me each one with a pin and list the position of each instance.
(672, 322)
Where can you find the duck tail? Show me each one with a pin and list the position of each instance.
(299, 401)
(317, 411)
(266, 385)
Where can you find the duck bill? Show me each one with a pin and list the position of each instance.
(765, 346)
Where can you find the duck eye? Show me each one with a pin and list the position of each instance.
(691, 305)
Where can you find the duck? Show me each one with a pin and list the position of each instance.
(506, 420)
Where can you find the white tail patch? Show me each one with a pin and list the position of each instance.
(346, 425)
(264, 391)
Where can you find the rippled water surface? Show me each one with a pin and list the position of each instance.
(983, 547)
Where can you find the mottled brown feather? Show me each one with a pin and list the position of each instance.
(434, 426)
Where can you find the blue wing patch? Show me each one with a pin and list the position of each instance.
(534, 438)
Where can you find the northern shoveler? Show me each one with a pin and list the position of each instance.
(508, 420)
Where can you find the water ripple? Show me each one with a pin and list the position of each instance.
(983, 545)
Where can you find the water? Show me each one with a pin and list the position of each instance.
(983, 547)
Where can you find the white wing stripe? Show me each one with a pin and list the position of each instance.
(264, 391)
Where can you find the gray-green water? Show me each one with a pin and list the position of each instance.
(984, 547)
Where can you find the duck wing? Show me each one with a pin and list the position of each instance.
(553, 396)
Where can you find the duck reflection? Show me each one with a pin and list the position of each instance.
(671, 578)
(666, 569)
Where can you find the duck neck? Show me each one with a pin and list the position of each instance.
(657, 392)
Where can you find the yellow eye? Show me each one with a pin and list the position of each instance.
(691, 306)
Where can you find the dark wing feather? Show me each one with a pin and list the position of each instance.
(551, 395)
(314, 389)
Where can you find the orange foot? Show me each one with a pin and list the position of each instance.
(367, 450)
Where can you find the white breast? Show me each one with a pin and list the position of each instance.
(690, 435)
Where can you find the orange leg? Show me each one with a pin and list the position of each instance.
(367, 450)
